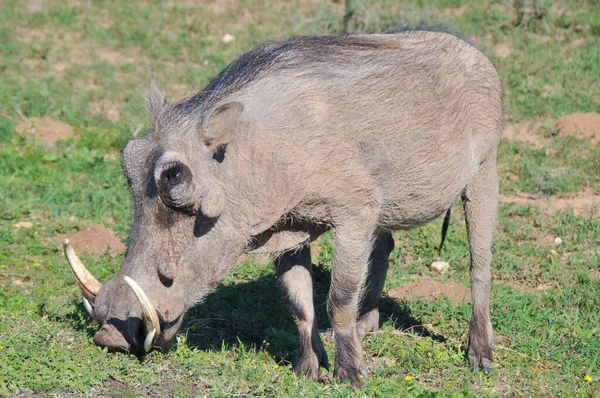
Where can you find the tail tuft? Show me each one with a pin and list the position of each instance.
(444, 230)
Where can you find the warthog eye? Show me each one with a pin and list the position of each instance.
(173, 175)
(219, 154)
(175, 188)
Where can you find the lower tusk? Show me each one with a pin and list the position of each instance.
(152, 321)
(88, 306)
(149, 340)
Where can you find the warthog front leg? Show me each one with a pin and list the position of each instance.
(294, 270)
(480, 201)
(368, 311)
(353, 245)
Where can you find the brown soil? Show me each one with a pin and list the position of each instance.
(584, 203)
(594, 273)
(112, 157)
(107, 108)
(95, 239)
(531, 289)
(581, 125)
(114, 57)
(429, 289)
(559, 10)
(34, 6)
(524, 133)
(457, 12)
(503, 50)
(46, 129)
(60, 66)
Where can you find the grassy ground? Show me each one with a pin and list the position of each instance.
(87, 64)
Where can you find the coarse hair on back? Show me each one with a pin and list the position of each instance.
(292, 53)
(427, 27)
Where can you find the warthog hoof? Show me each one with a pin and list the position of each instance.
(480, 349)
(352, 373)
(308, 365)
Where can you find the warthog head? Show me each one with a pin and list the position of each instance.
(177, 251)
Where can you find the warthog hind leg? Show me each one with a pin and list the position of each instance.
(294, 270)
(353, 244)
(480, 201)
(368, 310)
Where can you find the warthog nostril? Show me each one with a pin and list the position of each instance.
(165, 280)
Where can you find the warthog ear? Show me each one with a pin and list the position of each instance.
(218, 128)
(156, 101)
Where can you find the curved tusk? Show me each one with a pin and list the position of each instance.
(86, 281)
(149, 340)
(88, 306)
(152, 321)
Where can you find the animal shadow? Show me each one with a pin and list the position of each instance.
(254, 315)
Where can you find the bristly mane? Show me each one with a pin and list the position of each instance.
(272, 57)
(276, 56)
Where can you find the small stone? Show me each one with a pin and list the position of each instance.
(205, 63)
(558, 240)
(227, 38)
(439, 266)
(24, 224)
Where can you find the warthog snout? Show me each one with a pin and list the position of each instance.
(111, 333)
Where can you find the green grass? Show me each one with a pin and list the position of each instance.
(65, 60)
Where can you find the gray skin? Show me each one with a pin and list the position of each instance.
(358, 134)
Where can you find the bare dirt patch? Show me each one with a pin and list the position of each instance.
(114, 56)
(581, 125)
(95, 239)
(585, 202)
(46, 129)
(503, 50)
(524, 133)
(60, 66)
(457, 12)
(107, 108)
(429, 289)
(559, 10)
(112, 157)
(594, 273)
(540, 287)
(34, 6)
(22, 283)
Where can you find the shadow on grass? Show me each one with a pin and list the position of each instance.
(254, 314)
(79, 320)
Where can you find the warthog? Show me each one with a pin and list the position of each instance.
(360, 134)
